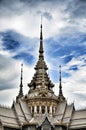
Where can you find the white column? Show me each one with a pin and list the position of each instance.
(35, 109)
(46, 109)
(40, 111)
(50, 109)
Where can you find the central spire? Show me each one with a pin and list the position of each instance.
(41, 63)
(41, 77)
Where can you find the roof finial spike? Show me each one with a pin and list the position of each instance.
(60, 73)
(21, 72)
(41, 37)
(41, 19)
(60, 84)
(21, 84)
(41, 42)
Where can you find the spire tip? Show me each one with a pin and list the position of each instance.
(60, 73)
(41, 19)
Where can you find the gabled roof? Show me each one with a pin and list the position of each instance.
(22, 111)
(15, 116)
(25, 109)
(78, 119)
(8, 117)
(19, 113)
(68, 113)
(60, 110)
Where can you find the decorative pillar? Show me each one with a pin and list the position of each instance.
(35, 109)
(40, 111)
(50, 110)
(46, 109)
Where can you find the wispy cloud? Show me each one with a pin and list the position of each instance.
(19, 47)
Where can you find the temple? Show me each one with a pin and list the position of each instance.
(40, 108)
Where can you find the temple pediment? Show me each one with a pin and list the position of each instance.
(46, 121)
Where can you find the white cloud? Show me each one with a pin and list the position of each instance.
(76, 82)
(10, 79)
(24, 23)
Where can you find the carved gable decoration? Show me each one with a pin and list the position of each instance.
(43, 94)
(46, 124)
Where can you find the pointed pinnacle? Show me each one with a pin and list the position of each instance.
(41, 63)
(60, 97)
(60, 73)
(41, 19)
(60, 84)
(41, 38)
(21, 72)
(21, 84)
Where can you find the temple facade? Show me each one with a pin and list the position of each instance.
(40, 108)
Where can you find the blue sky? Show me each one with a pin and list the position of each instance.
(64, 34)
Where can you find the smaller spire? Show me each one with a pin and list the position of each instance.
(60, 97)
(21, 84)
(21, 75)
(60, 84)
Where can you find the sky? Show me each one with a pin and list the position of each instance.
(64, 41)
